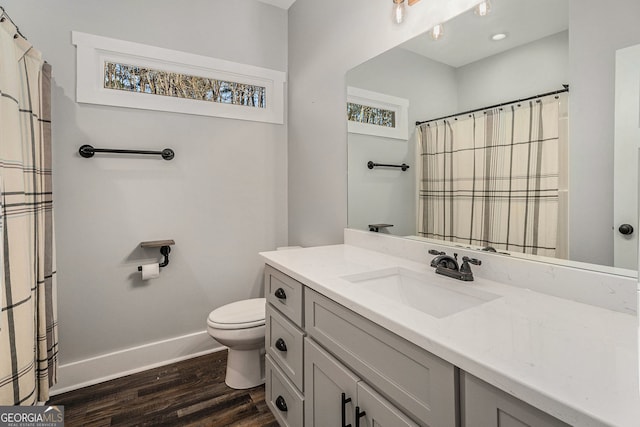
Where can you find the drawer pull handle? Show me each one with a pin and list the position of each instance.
(280, 294)
(281, 404)
(281, 345)
(345, 400)
(359, 415)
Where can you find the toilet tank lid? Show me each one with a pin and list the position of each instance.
(239, 312)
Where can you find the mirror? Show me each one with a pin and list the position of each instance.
(463, 71)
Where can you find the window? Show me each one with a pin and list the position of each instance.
(370, 115)
(377, 114)
(126, 74)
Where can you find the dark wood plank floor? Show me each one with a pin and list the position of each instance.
(188, 393)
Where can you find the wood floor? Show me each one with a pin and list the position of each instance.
(188, 393)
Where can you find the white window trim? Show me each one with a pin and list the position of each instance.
(380, 100)
(93, 51)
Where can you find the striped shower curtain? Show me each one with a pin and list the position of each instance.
(28, 317)
(493, 178)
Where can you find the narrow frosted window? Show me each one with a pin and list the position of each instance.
(147, 80)
(370, 115)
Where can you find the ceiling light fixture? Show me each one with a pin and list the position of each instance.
(437, 32)
(398, 11)
(483, 9)
(498, 37)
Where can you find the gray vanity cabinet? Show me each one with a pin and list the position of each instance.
(486, 406)
(336, 396)
(325, 364)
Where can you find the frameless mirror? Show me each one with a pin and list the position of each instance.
(465, 70)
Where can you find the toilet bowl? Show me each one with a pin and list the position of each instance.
(240, 326)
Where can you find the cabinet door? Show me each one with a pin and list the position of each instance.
(378, 411)
(483, 405)
(325, 381)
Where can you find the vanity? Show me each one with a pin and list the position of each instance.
(366, 333)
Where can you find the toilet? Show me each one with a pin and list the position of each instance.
(240, 326)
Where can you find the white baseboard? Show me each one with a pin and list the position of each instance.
(83, 373)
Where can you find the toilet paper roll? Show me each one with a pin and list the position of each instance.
(150, 271)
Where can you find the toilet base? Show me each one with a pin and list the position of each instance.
(245, 368)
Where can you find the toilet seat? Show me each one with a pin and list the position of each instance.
(244, 314)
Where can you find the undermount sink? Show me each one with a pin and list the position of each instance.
(421, 291)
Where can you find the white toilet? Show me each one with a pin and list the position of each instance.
(240, 327)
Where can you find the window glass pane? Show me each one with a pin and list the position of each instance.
(371, 115)
(147, 80)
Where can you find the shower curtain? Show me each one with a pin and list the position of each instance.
(493, 177)
(28, 316)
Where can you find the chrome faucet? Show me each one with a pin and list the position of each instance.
(448, 265)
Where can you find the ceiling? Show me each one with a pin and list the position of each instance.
(467, 37)
(283, 4)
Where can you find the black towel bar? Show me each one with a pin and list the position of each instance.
(87, 151)
(372, 165)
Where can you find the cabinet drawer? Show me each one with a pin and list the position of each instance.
(284, 293)
(284, 343)
(483, 405)
(284, 401)
(418, 382)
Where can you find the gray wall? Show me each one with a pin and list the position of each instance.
(326, 39)
(223, 198)
(534, 68)
(317, 148)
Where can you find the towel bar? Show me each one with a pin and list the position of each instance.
(372, 165)
(88, 151)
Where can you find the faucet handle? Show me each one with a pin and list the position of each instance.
(465, 268)
(435, 252)
(473, 261)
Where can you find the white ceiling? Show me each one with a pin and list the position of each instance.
(467, 37)
(283, 4)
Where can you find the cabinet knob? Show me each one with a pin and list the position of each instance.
(280, 294)
(345, 400)
(359, 415)
(281, 404)
(281, 345)
(626, 229)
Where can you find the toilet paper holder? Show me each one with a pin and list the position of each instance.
(165, 249)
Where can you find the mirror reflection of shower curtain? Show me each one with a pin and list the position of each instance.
(28, 313)
(497, 178)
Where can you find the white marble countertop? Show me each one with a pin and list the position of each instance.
(574, 361)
